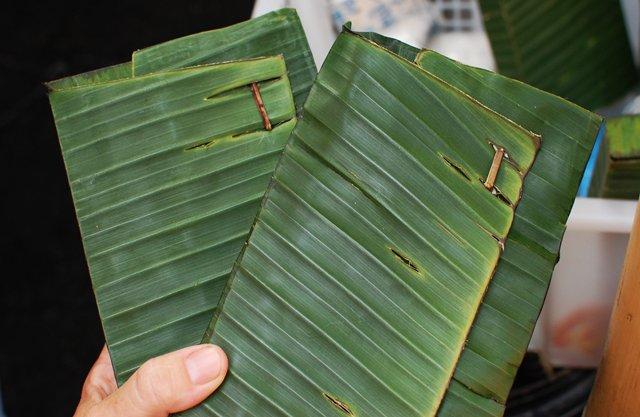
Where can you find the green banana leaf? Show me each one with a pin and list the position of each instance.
(380, 242)
(101, 75)
(575, 49)
(167, 168)
(514, 298)
(507, 317)
(276, 33)
(167, 172)
(617, 172)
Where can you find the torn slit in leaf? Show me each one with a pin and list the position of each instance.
(456, 167)
(208, 144)
(496, 191)
(408, 262)
(201, 146)
(500, 241)
(241, 88)
(344, 407)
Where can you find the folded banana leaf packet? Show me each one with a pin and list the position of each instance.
(617, 169)
(168, 157)
(404, 247)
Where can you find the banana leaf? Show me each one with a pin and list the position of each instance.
(575, 49)
(167, 172)
(275, 33)
(514, 298)
(101, 75)
(507, 317)
(371, 263)
(617, 172)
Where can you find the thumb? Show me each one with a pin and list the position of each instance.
(168, 384)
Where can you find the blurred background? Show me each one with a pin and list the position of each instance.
(49, 327)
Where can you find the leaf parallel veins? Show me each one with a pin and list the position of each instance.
(162, 225)
(386, 174)
(323, 297)
(580, 49)
(172, 152)
(502, 329)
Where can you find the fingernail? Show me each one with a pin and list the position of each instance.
(205, 364)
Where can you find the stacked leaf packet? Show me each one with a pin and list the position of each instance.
(399, 258)
(617, 170)
(404, 247)
(575, 49)
(168, 157)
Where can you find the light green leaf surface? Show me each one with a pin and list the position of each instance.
(575, 49)
(617, 172)
(167, 172)
(373, 248)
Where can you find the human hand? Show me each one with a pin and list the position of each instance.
(167, 384)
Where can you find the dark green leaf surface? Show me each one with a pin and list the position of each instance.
(617, 172)
(373, 248)
(143, 313)
(167, 172)
(575, 49)
(506, 319)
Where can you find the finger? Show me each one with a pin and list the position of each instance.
(168, 384)
(100, 382)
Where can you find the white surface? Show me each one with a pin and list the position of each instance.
(602, 215)
(316, 19)
(261, 7)
(573, 325)
(471, 48)
(409, 21)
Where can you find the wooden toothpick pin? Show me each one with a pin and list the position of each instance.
(495, 167)
(257, 97)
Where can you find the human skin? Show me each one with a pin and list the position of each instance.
(163, 385)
